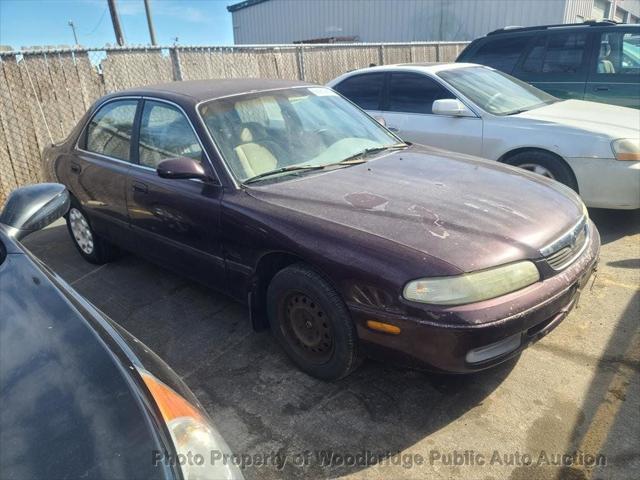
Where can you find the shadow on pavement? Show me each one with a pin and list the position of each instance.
(615, 224)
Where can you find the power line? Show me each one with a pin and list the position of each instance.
(104, 13)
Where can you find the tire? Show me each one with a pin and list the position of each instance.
(92, 247)
(545, 164)
(312, 323)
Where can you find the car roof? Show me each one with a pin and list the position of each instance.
(424, 67)
(199, 90)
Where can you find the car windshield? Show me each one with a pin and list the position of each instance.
(496, 92)
(290, 130)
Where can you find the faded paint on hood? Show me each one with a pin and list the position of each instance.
(469, 212)
(598, 118)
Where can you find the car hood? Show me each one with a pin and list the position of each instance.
(598, 118)
(469, 212)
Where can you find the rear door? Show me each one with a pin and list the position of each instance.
(614, 73)
(407, 110)
(99, 167)
(174, 222)
(557, 62)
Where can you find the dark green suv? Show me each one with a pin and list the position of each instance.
(597, 61)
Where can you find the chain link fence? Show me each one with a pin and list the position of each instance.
(43, 93)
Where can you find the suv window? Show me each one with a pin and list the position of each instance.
(363, 90)
(414, 93)
(619, 54)
(556, 53)
(501, 53)
(165, 133)
(109, 131)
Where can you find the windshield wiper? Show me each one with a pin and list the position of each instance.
(350, 160)
(360, 156)
(277, 171)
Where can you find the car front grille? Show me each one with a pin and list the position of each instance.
(570, 248)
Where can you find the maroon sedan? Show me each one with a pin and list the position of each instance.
(340, 237)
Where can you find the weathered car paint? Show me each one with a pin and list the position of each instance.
(368, 229)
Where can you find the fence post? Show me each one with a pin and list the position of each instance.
(381, 54)
(177, 67)
(300, 56)
(437, 52)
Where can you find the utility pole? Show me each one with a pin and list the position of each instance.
(152, 30)
(73, 29)
(115, 19)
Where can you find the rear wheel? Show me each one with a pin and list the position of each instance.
(91, 246)
(544, 164)
(311, 323)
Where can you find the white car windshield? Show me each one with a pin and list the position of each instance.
(276, 132)
(496, 92)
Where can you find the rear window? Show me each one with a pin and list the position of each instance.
(363, 90)
(501, 53)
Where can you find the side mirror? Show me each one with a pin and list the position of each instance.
(31, 208)
(451, 107)
(181, 168)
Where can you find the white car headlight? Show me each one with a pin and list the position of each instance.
(472, 287)
(626, 149)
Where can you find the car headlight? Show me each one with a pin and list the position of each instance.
(474, 286)
(626, 148)
(193, 436)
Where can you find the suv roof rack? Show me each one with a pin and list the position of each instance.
(588, 23)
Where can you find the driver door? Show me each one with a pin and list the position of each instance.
(407, 112)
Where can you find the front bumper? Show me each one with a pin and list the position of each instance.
(607, 182)
(440, 338)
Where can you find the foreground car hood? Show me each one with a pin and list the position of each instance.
(611, 120)
(468, 212)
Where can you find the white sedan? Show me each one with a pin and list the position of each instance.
(592, 147)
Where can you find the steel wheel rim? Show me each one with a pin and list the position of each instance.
(539, 169)
(307, 328)
(81, 231)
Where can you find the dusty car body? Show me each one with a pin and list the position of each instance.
(344, 239)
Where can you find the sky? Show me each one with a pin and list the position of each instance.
(25, 23)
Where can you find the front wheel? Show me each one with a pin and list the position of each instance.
(546, 165)
(91, 246)
(312, 323)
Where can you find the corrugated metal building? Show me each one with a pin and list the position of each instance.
(288, 21)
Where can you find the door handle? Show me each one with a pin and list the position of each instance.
(140, 187)
(75, 168)
(602, 89)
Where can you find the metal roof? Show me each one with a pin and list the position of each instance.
(247, 3)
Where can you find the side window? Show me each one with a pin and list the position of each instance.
(109, 131)
(165, 133)
(619, 53)
(533, 61)
(556, 53)
(501, 53)
(363, 90)
(414, 93)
